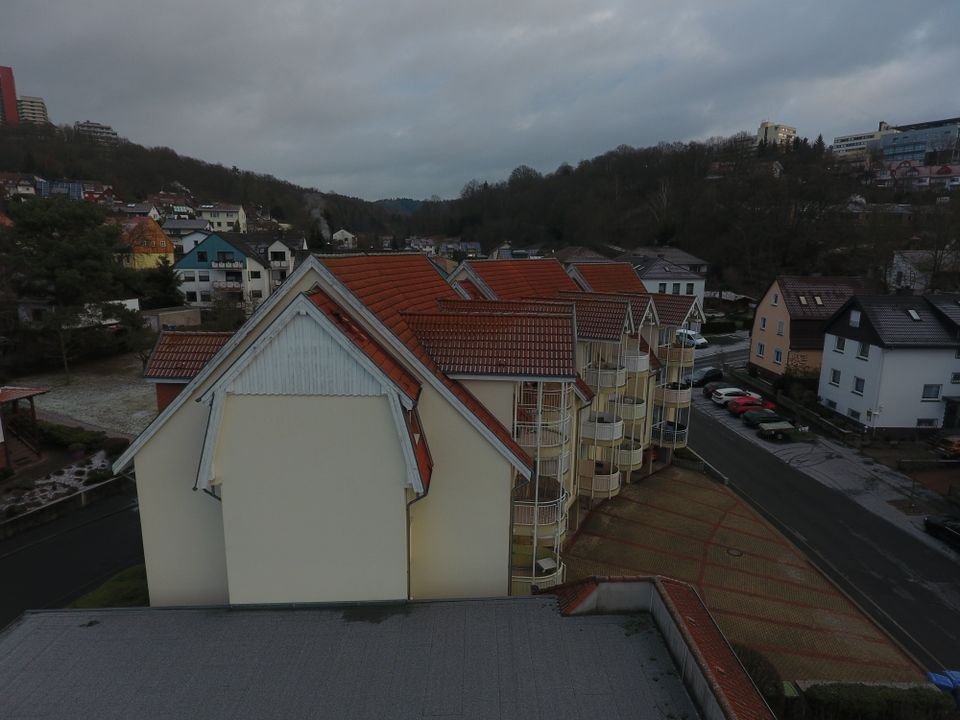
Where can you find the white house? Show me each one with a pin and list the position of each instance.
(223, 216)
(344, 239)
(893, 362)
(218, 268)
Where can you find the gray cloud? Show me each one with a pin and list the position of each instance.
(415, 97)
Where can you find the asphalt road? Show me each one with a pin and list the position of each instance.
(910, 589)
(52, 565)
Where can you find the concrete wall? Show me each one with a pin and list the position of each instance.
(460, 532)
(314, 501)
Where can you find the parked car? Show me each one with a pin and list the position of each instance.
(690, 338)
(710, 387)
(740, 405)
(701, 376)
(944, 527)
(721, 396)
(778, 431)
(752, 418)
(948, 447)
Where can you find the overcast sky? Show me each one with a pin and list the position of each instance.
(415, 97)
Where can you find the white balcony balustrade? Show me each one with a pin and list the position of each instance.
(605, 376)
(673, 394)
(638, 363)
(605, 427)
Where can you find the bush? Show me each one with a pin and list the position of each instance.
(718, 327)
(764, 676)
(97, 476)
(72, 438)
(876, 702)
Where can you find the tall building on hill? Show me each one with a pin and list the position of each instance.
(33, 110)
(775, 133)
(9, 115)
(101, 133)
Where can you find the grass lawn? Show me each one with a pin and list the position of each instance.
(125, 589)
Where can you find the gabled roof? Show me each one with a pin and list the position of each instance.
(831, 291)
(898, 321)
(498, 343)
(658, 268)
(617, 277)
(640, 302)
(673, 254)
(948, 305)
(470, 288)
(673, 310)
(144, 236)
(181, 355)
(514, 279)
(600, 317)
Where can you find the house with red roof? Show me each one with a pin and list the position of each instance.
(146, 245)
(177, 358)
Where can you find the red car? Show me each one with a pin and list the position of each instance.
(740, 405)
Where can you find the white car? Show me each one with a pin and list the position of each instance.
(690, 338)
(721, 396)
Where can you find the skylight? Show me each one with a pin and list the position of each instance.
(803, 299)
(913, 315)
(817, 300)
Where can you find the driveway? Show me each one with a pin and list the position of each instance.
(761, 589)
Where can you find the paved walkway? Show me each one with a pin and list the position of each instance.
(759, 587)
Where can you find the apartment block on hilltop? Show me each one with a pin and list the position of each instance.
(789, 323)
(9, 114)
(98, 132)
(33, 110)
(775, 133)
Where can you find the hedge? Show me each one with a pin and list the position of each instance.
(77, 438)
(876, 702)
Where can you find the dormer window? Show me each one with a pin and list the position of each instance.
(854, 318)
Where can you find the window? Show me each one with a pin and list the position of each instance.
(204, 296)
(913, 315)
(201, 255)
(803, 299)
(775, 300)
(818, 300)
(689, 288)
(779, 327)
(278, 255)
(855, 318)
(256, 294)
(835, 377)
(203, 276)
(832, 404)
(676, 289)
(926, 422)
(863, 351)
(858, 385)
(955, 379)
(778, 356)
(662, 288)
(839, 343)
(931, 392)
(191, 296)
(761, 349)
(763, 323)
(254, 274)
(188, 277)
(224, 256)
(855, 414)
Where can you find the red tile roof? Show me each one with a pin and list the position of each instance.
(471, 289)
(389, 285)
(672, 309)
(144, 236)
(513, 279)
(543, 307)
(181, 355)
(403, 379)
(832, 291)
(421, 451)
(639, 302)
(498, 343)
(9, 393)
(598, 317)
(616, 277)
(584, 390)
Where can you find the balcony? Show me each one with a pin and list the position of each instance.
(227, 285)
(632, 408)
(546, 519)
(670, 434)
(673, 394)
(556, 401)
(605, 427)
(602, 482)
(682, 356)
(279, 264)
(547, 434)
(630, 454)
(227, 264)
(605, 376)
(556, 466)
(549, 573)
(638, 363)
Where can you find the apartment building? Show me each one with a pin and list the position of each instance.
(98, 132)
(33, 110)
(9, 114)
(892, 362)
(775, 133)
(215, 268)
(224, 217)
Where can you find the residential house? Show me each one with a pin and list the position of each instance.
(226, 270)
(16, 185)
(171, 318)
(141, 210)
(790, 320)
(72, 189)
(177, 357)
(668, 252)
(176, 227)
(892, 363)
(224, 216)
(344, 240)
(146, 243)
(281, 253)
(920, 271)
(660, 275)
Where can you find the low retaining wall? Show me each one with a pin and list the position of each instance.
(66, 505)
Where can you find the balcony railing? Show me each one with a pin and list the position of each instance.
(602, 426)
(632, 408)
(556, 466)
(630, 455)
(680, 356)
(673, 394)
(227, 264)
(522, 584)
(548, 434)
(227, 285)
(670, 435)
(606, 376)
(278, 263)
(552, 400)
(638, 363)
(603, 481)
(545, 514)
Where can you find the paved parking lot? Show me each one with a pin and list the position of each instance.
(760, 588)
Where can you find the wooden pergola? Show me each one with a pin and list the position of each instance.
(18, 421)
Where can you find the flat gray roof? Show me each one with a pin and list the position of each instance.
(510, 658)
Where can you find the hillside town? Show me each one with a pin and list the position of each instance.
(356, 464)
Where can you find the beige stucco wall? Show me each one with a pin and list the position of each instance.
(182, 528)
(460, 532)
(314, 503)
(772, 342)
(496, 395)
